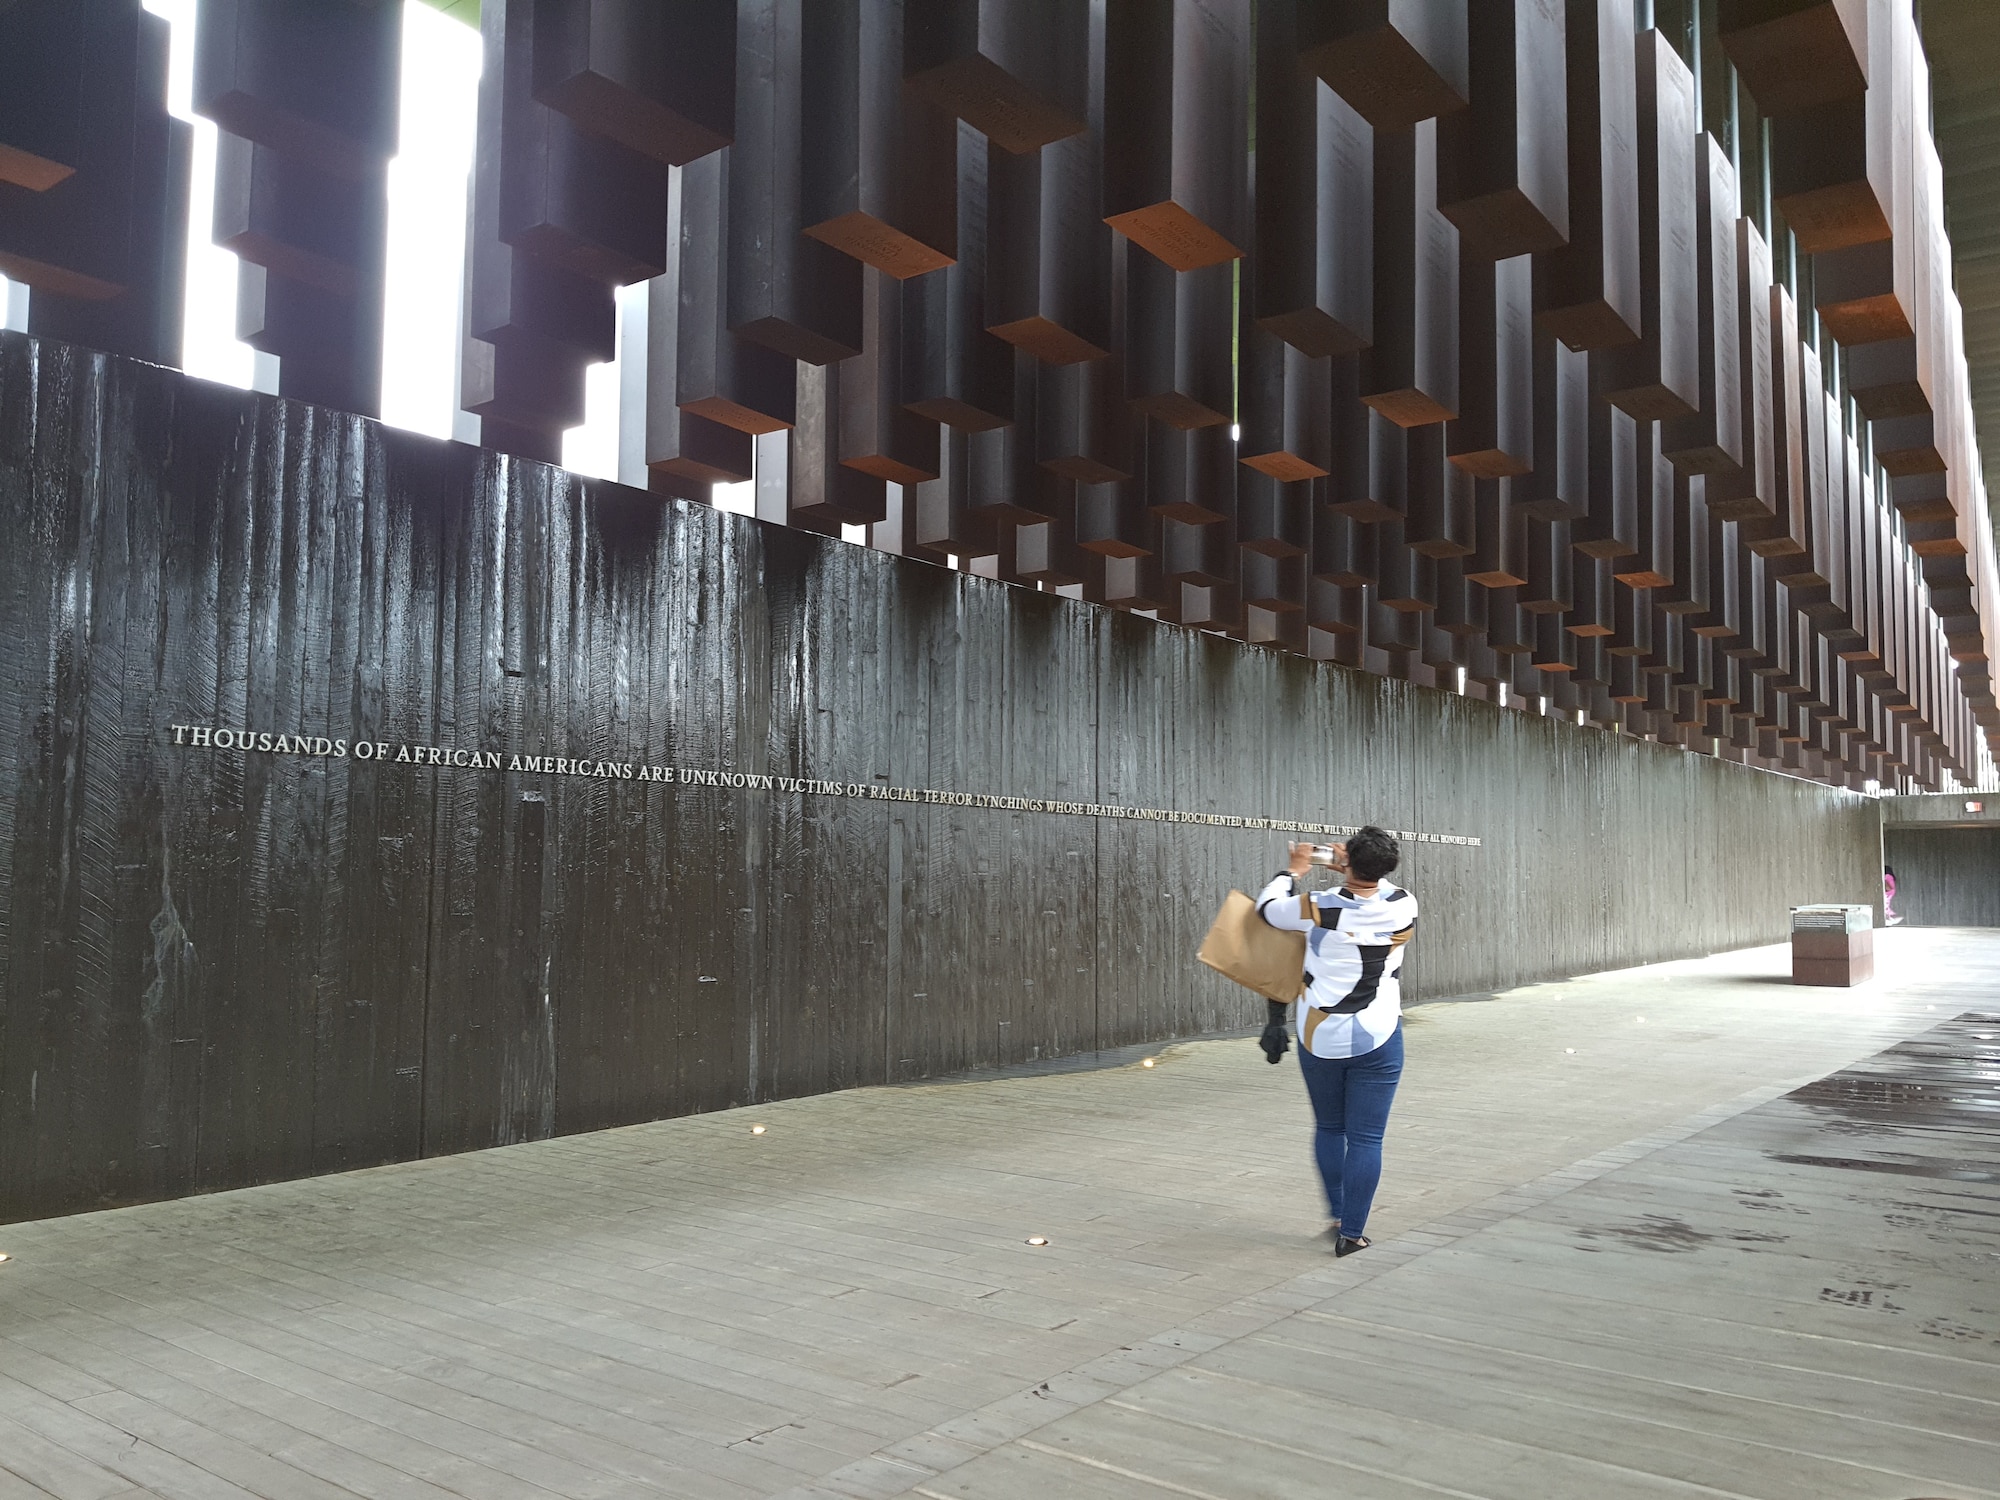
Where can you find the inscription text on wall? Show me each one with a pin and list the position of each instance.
(209, 737)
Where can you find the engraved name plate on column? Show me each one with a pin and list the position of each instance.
(1410, 374)
(1658, 377)
(1503, 163)
(1589, 289)
(1709, 439)
(1176, 75)
(1314, 190)
(1396, 61)
(1494, 433)
(1012, 69)
(658, 79)
(786, 290)
(878, 162)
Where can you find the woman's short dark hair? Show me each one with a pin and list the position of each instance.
(1371, 853)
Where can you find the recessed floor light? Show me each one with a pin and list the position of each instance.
(1571, 1051)
(5, 1257)
(756, 1129)
(1036, 1239)
(1148, 1062)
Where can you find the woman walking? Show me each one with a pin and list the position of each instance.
(1349, 1020)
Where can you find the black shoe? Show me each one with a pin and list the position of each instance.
(1342, 1245)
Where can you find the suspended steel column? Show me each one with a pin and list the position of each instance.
(93, 175)
(305, 93)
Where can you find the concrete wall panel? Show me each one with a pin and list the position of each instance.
(1945, 877)
(220, 968)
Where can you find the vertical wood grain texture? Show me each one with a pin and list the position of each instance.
(219, 969)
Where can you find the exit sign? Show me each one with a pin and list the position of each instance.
(1973, 807)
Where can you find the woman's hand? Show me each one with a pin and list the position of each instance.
(1274, 1041)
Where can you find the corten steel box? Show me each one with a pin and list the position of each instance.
(1833, 945)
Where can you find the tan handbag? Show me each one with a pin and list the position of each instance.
(1244, 947)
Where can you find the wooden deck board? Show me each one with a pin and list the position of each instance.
(1613, 1255)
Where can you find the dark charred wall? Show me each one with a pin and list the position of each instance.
(1945, 877)
(220, 968)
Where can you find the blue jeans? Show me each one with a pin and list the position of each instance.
(1350, 1099)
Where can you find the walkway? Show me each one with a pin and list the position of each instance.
(1613, 1258)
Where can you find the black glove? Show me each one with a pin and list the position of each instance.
(1274, 1041)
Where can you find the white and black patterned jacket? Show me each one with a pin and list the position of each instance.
(1354, 960)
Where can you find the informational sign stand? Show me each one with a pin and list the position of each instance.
(1833, 945)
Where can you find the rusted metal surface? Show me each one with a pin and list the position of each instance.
(219, 968)
(1666, 278)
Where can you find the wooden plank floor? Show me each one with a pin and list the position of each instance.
(1613, 1258)
(1795, 1301)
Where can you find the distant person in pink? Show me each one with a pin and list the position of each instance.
(1889, 917)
